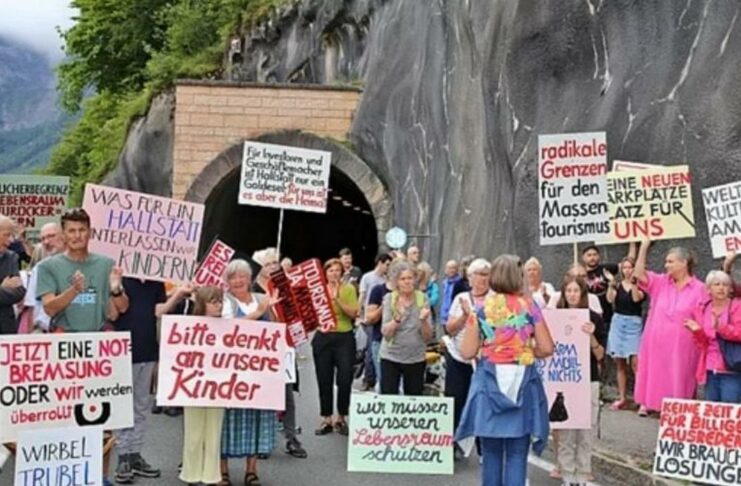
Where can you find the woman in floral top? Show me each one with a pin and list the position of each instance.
(507, 406)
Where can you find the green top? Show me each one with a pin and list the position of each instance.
(349, 296)
(87, 312)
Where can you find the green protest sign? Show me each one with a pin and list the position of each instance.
(400, 434)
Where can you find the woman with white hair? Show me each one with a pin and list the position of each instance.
(246, 432)
(710, 320)
(458, 371)
(406, 330)
(667, 358)
(540, 291)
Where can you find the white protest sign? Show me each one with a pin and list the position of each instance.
(65, 380)
(284, 177)
(60, 457)
(723, 215)
(699, 442)
(572, 188)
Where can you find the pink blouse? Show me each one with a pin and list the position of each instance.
(711, 358)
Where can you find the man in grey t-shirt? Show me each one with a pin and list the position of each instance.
(79, 290)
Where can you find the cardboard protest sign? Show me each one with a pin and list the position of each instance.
(212, 362)
(699, 442)
(149, 237)
(723, 215)
(624, 165)
(572, 187)
(65, 380)
(32, 200)
(400, 434)
(213, 266)
(60, 457)
(305, 299)
(280, 176)
(650, 203)
(566, 375)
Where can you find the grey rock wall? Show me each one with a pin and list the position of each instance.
(456, 92)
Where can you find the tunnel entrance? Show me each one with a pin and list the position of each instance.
(348, 222)
(358, 208)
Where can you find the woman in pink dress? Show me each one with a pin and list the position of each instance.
(668, 356)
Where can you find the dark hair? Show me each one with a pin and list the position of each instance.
(583, 301)
(77, 215)
(345, 251)
(591, 247)
(506, 275)
(204, 295)
(383, 258)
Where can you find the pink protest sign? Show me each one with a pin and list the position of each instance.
(212, 362)
(149, 237)
(213, 266)
(566, 374)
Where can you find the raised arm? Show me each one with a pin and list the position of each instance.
(640, 272)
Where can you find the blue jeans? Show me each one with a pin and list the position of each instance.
(370, 369)
(505, 461)
(376, 354)
(723, 387)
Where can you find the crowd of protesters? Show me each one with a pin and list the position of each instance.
(486, 313)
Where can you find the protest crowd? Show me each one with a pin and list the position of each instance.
(483, 356)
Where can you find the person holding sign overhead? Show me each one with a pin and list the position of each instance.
(668, 357)
(575, 446)
(406, 329)
(507, 407)
(334, 351)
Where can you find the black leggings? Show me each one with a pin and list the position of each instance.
(334, 353)
(392, 373)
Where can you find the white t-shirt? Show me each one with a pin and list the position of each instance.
(538, 297)
(594, 304)
(456, 311)
(40, 318)
(229, 312)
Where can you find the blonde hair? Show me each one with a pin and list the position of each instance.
(424, 271)
(204, 295)
(533, 262)
(717, 276)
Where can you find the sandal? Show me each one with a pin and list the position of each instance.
(251, 479)
(642, 412)
(225, 481)
(618, 405)
(324, 429)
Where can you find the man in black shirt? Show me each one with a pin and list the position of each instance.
(597, 281)
(148, 302)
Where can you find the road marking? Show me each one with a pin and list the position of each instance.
(546, 466)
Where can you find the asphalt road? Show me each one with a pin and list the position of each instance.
(325, 466)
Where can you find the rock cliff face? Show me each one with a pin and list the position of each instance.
(456, 92)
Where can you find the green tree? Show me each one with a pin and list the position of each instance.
(108, 47)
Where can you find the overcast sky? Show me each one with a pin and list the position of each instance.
(34, 23)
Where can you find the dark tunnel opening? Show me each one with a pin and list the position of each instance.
(348, 222)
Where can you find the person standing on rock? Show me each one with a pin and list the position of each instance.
(507, 408)
(668, 357)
